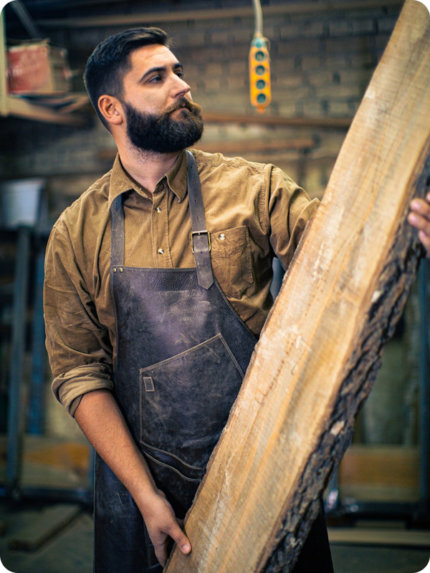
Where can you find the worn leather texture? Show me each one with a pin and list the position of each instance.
(200, 385)
(181, 355)
(195, 349)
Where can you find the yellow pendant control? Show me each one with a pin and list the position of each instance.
(259, 74)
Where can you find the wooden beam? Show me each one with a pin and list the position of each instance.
(377, 536)
(385, 466)
(341, 123)
(221, 13)
(20, 107)
(319, 352)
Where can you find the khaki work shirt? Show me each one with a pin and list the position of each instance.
(253, 212)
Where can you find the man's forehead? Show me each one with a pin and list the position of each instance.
(154, 55)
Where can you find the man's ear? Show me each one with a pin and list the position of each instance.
(111, 109)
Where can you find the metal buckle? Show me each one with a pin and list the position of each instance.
(199, 233)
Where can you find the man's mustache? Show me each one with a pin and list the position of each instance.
(182, 103)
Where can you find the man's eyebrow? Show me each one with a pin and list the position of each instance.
(176, 66)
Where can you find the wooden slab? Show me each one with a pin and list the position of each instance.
(372, 536)
(389, 465)
(48, 524)
(318, 355)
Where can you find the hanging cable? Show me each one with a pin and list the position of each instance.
(258, 13)
(259, 64)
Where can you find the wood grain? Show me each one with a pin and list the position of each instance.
(320, 349)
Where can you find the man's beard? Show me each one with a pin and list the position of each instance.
(161, 133)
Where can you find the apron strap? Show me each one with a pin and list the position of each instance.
(117, 232)
(200, 237)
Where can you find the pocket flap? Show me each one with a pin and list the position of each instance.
(191, 399)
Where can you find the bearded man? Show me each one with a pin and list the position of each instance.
(157, 287)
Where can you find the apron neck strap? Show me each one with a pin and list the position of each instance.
(117, 232)
(200, 237)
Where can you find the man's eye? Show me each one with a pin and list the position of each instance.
(156, 79)
(180, 74)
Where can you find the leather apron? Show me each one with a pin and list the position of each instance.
(182, 352)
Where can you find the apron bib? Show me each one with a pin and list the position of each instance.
(182, 352)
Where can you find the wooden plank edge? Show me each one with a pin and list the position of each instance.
(380, 536)
(235, 147)
(19, 107)
(244, 12)
(394, 285)
(48, 524)
(395, 278)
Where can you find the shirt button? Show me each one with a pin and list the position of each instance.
(161, 251)
(221, 237)
(158, 210)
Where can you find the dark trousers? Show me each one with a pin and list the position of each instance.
(315, 556)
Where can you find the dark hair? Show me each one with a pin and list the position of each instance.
(110, 61)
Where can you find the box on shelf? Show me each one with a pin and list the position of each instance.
(37, 68)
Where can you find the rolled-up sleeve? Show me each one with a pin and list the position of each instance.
(79, 348)
(289, 209)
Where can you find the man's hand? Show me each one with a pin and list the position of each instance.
(162, 526)
(113, 442)
(419, 217)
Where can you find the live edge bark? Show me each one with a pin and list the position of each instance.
(320, 350)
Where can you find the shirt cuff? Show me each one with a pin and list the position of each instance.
(69, 387)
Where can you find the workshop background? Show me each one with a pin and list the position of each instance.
(322, 56)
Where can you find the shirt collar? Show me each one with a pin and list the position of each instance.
(176, 179)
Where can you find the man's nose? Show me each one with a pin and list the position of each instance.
(181, 87)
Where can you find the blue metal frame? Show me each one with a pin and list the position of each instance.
(36, 404)
(15, 410)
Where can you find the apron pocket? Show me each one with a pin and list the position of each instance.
(185, 471)
(184, 405)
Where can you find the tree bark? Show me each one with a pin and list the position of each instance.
(320, 350)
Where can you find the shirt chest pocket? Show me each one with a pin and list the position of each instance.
(231, 260)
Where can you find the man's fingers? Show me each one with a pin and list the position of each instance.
(419, 217)
(419, 222)
(161, 554)
(161, 545)
(163, 529)
(421, 207)
(180, 538)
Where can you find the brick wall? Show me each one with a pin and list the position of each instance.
(321, 64)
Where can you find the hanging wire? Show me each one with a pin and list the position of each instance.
(258, 18)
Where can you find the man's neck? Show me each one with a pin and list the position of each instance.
(147, 168)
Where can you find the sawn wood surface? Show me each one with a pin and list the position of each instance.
(321, 346)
